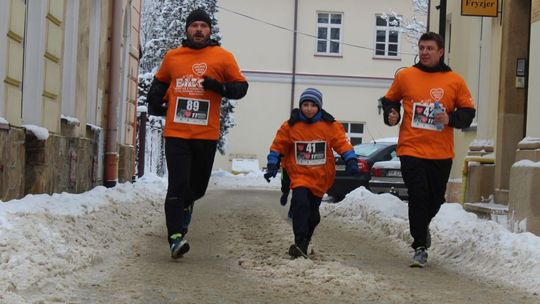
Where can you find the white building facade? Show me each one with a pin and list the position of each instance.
(345, 48)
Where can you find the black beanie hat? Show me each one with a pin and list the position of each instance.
(198, 15)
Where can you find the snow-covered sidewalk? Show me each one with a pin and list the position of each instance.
(46, 239)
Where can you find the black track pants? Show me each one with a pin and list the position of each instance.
(306, 216)
(285, 182)
(426, 182)
(189, 164)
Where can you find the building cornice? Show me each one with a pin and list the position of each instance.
(318, 79)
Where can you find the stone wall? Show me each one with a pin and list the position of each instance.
(59, 164)
(12, 163)
(524, 202)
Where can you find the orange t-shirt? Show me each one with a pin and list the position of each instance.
(308, 156)
(418, 90)
(193, 113)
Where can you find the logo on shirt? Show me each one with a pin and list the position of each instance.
(199, 68)
(437, 93)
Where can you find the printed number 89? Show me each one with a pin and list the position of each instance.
(192, 105)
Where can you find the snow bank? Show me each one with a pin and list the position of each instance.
(254, 180)
(46, 239)
(460, 240)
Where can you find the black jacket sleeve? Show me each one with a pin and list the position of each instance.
(461, 118)
(235, 90)
(155, 96)
(387, 106)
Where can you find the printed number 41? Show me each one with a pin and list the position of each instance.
(311, 148)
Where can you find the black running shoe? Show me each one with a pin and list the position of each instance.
(296, 252)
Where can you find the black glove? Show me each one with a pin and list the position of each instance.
(211, 84)
(271, 171)
(283, 199)
(155, 97)
(351, 167)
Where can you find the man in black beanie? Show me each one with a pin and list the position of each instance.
(198, 15)
(191, 81)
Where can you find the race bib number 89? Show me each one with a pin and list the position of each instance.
(192, 111)
(310, 153)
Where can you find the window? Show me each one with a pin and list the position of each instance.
(354, 131)
(329, 33)
(387, 36)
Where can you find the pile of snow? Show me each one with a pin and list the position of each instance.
(46, 240)
(245, 166)
(254, 180)
(460, 240)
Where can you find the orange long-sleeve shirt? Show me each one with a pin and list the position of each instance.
(193, 113)
(308, 156)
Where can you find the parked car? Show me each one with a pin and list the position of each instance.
(367, 154)
(386, 178)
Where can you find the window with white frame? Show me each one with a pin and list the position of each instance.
(329, 26)
(354, 131)
(387, 37)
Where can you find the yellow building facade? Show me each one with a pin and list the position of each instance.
(68, 71)
(496, 51)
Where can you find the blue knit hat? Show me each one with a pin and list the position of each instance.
(311, 94)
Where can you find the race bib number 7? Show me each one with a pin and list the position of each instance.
(310, 153)
(423, 115)
(192, 111)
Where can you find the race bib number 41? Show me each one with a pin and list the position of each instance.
(310, 153)
(192, 111)
(423, 116)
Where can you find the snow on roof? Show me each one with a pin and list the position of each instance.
(39, 132)
(94, 127)
(530, 140)
(482, 142)
(526, 163)
(71, 120)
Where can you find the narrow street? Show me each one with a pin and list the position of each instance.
(239, 241)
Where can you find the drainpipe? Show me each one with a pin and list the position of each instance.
(442, 18)
(428, 15)
(293, 81)
(111, 141)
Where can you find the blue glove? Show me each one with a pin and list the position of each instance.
(272, 166)
(351, 167)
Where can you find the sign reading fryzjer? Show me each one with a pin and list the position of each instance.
(483, 8)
